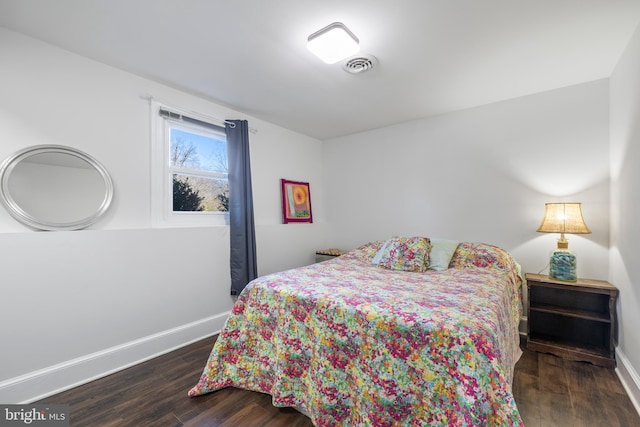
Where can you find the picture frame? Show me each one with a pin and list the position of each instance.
(296, 201)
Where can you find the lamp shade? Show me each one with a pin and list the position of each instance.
(563, 218)
(333, 43)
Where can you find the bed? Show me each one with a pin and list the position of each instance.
(355, 341)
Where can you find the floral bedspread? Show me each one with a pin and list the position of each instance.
(352, 344)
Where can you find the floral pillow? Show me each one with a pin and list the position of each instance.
(366, 252)
(404, 254)
(482, 255)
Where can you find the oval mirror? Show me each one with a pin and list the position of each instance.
(52, 187)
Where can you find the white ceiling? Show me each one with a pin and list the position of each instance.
(435, 56)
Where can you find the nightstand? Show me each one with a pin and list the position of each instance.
(573, 320)
(327, 254)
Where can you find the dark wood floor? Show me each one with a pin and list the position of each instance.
(549, 392)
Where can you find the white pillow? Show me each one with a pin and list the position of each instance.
(441, 253)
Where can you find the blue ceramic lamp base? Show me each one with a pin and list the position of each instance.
(562, 265)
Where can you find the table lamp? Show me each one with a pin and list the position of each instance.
(563, 218)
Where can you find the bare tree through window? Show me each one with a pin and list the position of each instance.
(200, 172)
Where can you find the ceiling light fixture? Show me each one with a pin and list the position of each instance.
(333, 43)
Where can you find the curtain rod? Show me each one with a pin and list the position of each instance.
(183, 117)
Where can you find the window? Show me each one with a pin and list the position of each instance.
(198, 169)
(190, 184)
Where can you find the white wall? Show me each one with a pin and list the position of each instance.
(77, 304)
(481, 174)
(625, 209)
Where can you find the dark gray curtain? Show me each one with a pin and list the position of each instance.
(242, 228)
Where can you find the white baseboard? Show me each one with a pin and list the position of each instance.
(629, 378)
(54, 379)
(522, 327)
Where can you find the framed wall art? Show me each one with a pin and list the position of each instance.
(296, 201)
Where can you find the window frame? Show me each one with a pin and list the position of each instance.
(162, 214)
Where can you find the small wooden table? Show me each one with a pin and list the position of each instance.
(327, 254)
(573, 320)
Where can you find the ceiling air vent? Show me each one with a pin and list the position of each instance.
(359, 64)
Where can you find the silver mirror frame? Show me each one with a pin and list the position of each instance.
(24, 217)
